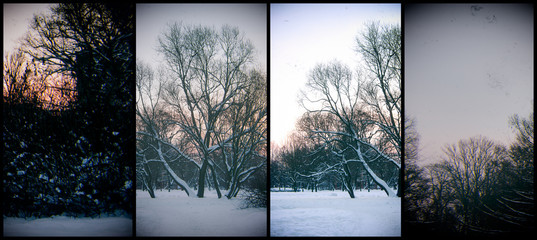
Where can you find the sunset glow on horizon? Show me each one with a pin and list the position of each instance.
(52, 89)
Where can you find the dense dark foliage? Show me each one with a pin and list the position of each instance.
(75, 160)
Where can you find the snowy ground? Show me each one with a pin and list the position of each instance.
(175, 214)
(334, 213)
(67, 226)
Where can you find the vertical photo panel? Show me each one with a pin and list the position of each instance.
(469, 120)
(68, 119)
(201, 120)
(335, 167)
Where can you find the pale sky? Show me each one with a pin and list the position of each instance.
(303, 35)
(17, 19)
(467, 68)
(153, 19)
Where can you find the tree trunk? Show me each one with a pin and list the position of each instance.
(145, 184)
(379, 181)
(347, 180)
(400, 183)
(372, 174)
(201, 179)
(176, 178)
(215, 181)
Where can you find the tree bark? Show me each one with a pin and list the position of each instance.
(215, 181)
(201, 179)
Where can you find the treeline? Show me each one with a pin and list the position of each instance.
(478, 188)
(306, 165)
(68, 114)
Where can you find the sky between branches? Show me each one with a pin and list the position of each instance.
(303, 35)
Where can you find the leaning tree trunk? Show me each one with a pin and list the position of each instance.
(371, 173)
(148, 184)
(347, 180)
(378, 181)
(170, 171)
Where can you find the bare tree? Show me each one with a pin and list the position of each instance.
(18, 82)
(438, 200)
(316, 129)
(333, 89)
(293, 156)
(522, 149)
(155, 134)
(27, 81)
(246, 122)
(367, 107)
(416, 183)
(472, 166)
(513, 209)
(312, 121)
(479, 189)
(380, 48)
(209, 71)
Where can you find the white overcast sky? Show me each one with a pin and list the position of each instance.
(303, 35)
(153, 19)
(467, 70)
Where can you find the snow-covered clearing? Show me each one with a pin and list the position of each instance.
(67, 226)
(175, 214)
(334, 213)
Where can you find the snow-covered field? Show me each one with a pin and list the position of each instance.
(67, 226)
(334, 213)
(175, 214)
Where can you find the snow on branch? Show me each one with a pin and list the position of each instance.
(398, 165)
(171, 146)
(378, 180)
(177, 179)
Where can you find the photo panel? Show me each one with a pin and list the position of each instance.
(68, 119)
(335, 79)
(202, 125)
(468, 120)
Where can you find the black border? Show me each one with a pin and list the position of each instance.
(404, 231)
